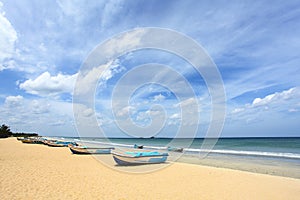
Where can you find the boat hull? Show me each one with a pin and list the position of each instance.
(76, 150)
(59, 143)
(31, 141)
(27, 141)
(174, 149)
(55, 145)
(128, 160)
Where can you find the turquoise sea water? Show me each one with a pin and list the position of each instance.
(285, 148)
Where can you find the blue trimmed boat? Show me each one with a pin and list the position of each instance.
(175, 149)
(59, 143)
(90, 150)
(31, 140)
(137, 158)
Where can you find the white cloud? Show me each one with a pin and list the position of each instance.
(128, 41)
(111, 9)
(189, 112)
(153, 112)
(87, 80)
(113, 69)
(142, 118)
(47, 117)
(237, 110)
(58, 123)
(8, 37)
(175, 116)
(159, 97)
(39, 107)
(47, 85)
(87, 121)
(70, 8)
(267, 107)
(188, 103)
(13, 101)
(88, 112)
(125, 111)
(293, 110)
(175, 119)
(276, 97)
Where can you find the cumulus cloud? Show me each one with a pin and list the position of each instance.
(45, 116)
(8, 37)
(276, 97)
(110, 72)
(13, 101)
(40, 107)
(286, 100)
(47, 85)
(87, 80)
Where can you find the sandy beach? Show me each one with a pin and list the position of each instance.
(32, 171)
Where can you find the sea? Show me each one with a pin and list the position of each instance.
(268, 155)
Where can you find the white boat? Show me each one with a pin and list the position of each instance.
(139, 157)
(175, 149)
(90, 150)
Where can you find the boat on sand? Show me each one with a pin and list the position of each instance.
(59, 143)
(139, 157)
(90, 150)
(31, 140)
(175, 149)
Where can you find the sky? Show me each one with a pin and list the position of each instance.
(45, 46)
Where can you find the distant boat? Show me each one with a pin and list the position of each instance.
(138, 146)
(28, 141)
(31, 140)
(175, 149)
(90, 150)
(136, 158)
(59, 143)
(54, 144)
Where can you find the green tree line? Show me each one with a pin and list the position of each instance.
(6, 132)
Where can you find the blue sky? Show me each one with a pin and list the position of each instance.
(254, 44)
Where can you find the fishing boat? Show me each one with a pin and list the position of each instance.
(54, 144)
(28, 141)
(31, 140)
(138, 146)
(175, 149)
(139, 157)
(59, 143)
(90, 150)
(47, 141)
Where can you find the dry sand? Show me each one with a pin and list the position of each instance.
(31, 171)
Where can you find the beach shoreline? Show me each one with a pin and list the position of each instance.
(274, 156)
(31, 171)
(257, 165)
